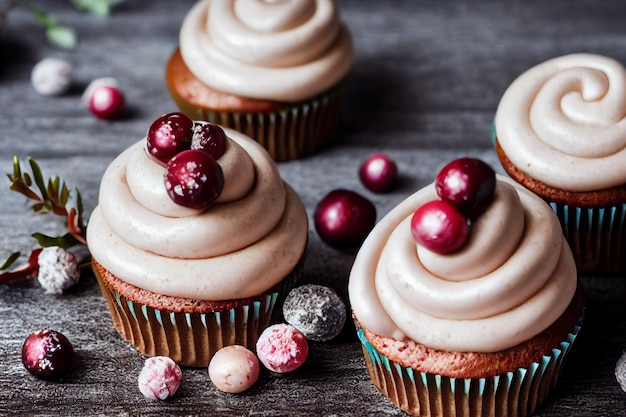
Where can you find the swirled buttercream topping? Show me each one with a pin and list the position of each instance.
(563, 122)
(512, 279)
(282, 50)
(244, 244)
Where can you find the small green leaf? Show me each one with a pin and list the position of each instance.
(65, 194)
(66, 241)
(34, 167)
(27, 179)
(10, 260)
(62, 37)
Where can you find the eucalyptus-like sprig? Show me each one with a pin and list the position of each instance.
(58, 35)
(51, 196)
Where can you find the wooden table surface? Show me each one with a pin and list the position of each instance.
(425, 84)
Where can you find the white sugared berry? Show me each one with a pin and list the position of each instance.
(58, 270)
(51, 76)
(159, 378)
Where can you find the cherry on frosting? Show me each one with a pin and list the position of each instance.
(468, 183)
(194, 179)
(209, 138)
(169, 135)
(439, 226)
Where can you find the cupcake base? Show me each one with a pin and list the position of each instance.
(286, 130)
(517, 393)
(192, 333)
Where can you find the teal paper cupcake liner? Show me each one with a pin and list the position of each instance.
(190, 339)
(292, 132)
(516, 393)
(597, 236)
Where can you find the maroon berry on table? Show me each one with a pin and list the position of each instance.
(169, 135)
(209, 138)
(343, 218)
(47, 354)
(468, 183)
(378, 173)
(106, 102)
(439, 226)
(194, 179)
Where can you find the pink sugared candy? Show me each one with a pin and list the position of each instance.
(159, 378)
(282, 348)
(234, 369)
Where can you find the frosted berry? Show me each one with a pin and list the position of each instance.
(439, 226)
(106, 102)
(194, 179)
(234, 369)
(343, 218)
(378, 173)
(159, 378)
(209, 138)
(468, 183)
(47, 354)
(169, 135)
(51, 76)
(317, 311)
(282, 348)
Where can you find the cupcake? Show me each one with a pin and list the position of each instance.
(466, 320)
(195, 240)
(274, 71)
(560, 130)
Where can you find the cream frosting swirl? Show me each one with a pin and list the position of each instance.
(563, 122)
(246, 243)
(282, 50)
(512, 279)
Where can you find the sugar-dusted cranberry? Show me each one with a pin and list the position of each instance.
(209, 138)
(106, 102)
(378, 173)
(343, 218)
(194, 179)
(468, 183)
(169, 135)
(47, 354)
(439, 226)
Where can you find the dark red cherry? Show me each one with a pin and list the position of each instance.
(468, 183)
(106, 102)
(378, 173)
(194, 179)
(169, 135)
(47, 354)
(209, 138)
(343, 218)
(439, 226)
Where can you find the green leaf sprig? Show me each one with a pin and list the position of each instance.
(51, 196)
(59, 35)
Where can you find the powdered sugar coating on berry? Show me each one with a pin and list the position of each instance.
(620, 372)
(282, 348)
(234, 369)
(51, 76)
(317, 311)
(159, 378)
(58, 269)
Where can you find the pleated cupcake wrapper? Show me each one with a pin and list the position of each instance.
(190, 339)
(292, 132)
(511, 394)
(597, 236)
